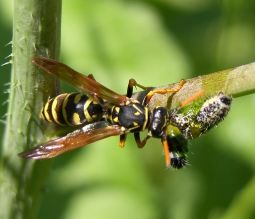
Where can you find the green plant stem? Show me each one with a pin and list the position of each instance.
(238, 81)
(36, 31)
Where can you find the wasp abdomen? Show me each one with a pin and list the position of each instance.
(72, 109)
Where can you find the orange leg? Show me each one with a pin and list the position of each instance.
(123, 138)
(166, 151)
(164, 91)
(192, 98)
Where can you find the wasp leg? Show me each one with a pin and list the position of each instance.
(123, 138)
(132, 83)
(95, 96)
(166, 150)
(192, 98)
(140, 143)
(164, 91)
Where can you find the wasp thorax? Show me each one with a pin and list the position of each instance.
(133, 116)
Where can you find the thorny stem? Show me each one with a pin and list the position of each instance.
(36, 31)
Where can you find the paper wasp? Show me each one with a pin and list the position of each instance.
(99, 112)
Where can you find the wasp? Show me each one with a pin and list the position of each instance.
(98, 113)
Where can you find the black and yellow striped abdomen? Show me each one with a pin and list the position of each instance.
(72, 109)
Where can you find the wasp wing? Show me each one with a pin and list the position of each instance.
(78, 138)
(82, 82)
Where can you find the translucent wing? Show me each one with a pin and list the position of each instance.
(78, 138)
(82, 82)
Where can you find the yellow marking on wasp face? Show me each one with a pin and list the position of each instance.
(95, 102)
(85, 110)
(136, 108)
(137, 113)
(117, 109)
(146, 113)
(77, 98)
(116, 119)
(54, 110)
(76, 119)
(135, 124)
(64, 109)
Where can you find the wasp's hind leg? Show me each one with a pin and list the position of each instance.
(166, 150)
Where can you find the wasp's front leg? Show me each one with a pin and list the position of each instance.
(166, 150)
(164, 91)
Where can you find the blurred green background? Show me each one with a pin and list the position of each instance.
(156, 42)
